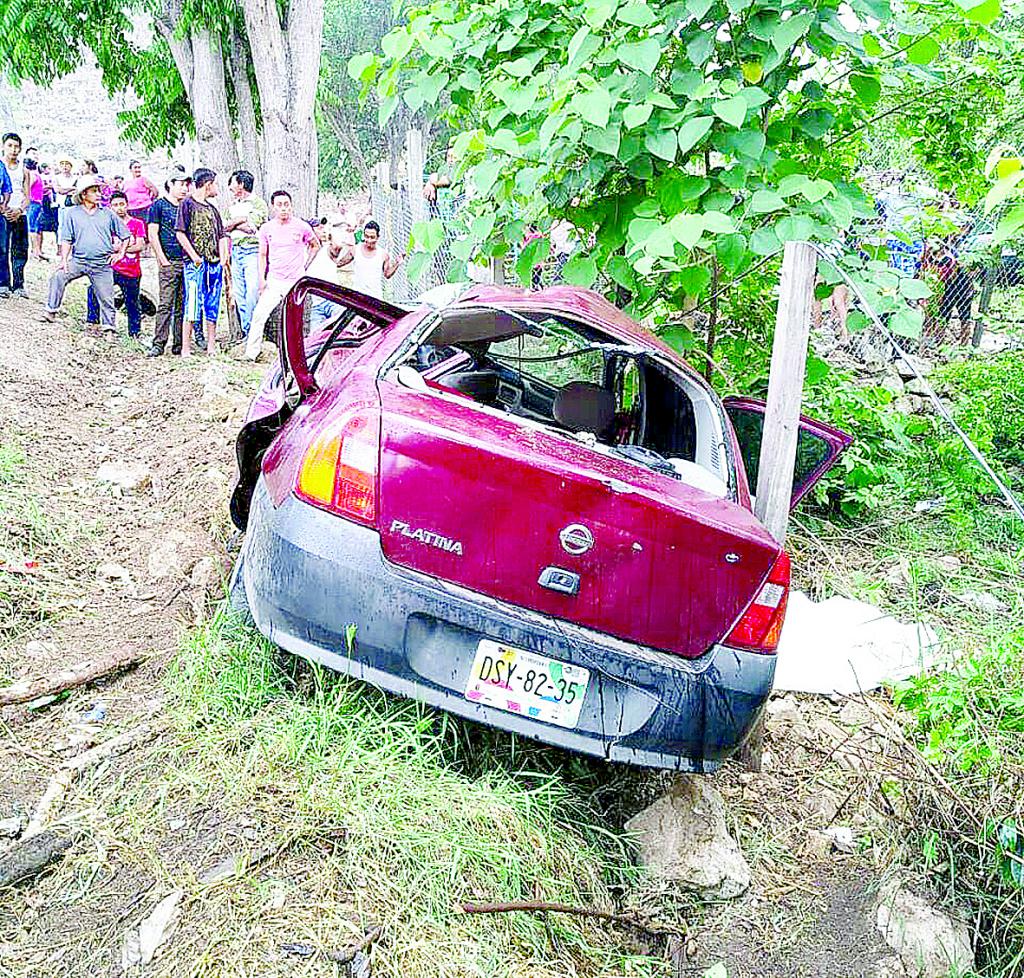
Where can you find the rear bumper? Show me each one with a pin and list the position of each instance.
(308, 576)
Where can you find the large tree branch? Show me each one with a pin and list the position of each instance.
(343, 128)
(166, 24)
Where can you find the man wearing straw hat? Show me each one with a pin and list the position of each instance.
(92, 239)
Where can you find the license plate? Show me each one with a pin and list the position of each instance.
(523, 682)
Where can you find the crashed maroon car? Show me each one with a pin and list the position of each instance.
(524, 509)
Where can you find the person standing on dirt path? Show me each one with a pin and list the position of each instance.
(200, 232)
(127, 272)
(140, 191)
(170, 261)
(14, 223)
(246, 216)
(36, 193)
(92, 239)
(287, 245)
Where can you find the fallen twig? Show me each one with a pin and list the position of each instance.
(31, 855)
(79, 675)
(534, 906)
(71, 769)
(345, 956)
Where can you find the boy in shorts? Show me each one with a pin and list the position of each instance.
(200, 231)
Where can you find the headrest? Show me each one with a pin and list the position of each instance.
(582, 406)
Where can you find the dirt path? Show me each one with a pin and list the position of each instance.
(121, 567)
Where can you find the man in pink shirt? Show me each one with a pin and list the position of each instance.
(286, 246)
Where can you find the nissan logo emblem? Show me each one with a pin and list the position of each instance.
(576, 539)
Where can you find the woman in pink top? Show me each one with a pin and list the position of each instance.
(36, 190)
(139, 191)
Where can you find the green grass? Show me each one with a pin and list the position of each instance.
(431, 812)
(27, 533)
(967, 721)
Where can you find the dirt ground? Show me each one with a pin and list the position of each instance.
(134, 568)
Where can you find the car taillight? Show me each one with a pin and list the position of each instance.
(760, 625)
(339, 470)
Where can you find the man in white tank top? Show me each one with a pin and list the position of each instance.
(14, 223)
(371, 264)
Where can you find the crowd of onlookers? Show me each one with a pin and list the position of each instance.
(206, 248)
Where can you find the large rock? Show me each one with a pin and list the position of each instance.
(909, 367)
(167, 559)
(127, 478)
(892, 383)
(683, 839)
(930, 943)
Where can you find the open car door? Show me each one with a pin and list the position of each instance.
(817, 448)
(358, 316)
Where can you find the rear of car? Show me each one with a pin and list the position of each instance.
(436, 519)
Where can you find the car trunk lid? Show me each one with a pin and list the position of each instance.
(517, 512)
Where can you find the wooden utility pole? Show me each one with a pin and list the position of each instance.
(785, 388)
(782, 418)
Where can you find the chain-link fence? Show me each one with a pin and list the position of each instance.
(917, 231)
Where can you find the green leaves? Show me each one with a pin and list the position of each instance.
(867, 87)
(1009, 225)
(986, 12)
(641, 55)
(428, 235)
(1003, 189)
(636, 115)
(686, 229)
(670, 134)
(533, 253)
(913, 289)
(693, 279)
(693, 131)
(593, 105)
(580, 270)
(597, 12)
(362, 67)
(397, 43)
(788, 32)
(637, 14)
(662, 143)
(766, 201)
(698, 51)
(731, 110)
(923, 51)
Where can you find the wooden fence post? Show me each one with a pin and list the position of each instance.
(414, 176)
(785, 388)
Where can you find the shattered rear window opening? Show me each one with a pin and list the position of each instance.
(575, 380)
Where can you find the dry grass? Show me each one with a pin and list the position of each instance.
(372, 821)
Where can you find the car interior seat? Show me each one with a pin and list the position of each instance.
(481, 385)
(583, 406)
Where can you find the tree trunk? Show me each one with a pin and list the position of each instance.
(200, 64)
(286, 59)
(248, 122)
(344, 130)
(210, 104)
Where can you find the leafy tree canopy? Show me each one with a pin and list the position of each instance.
(682, 139)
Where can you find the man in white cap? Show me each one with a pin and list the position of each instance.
(91, 239)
